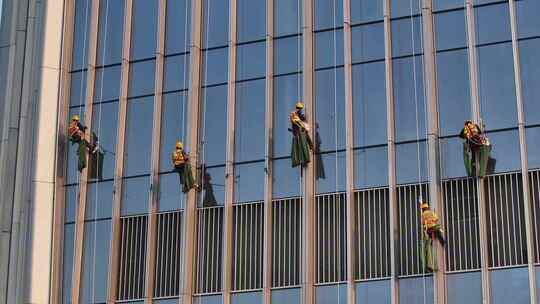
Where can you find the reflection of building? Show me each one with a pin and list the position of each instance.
(389, 96)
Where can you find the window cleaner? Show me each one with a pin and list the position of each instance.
(181, 163)
(76, 133)
(431, 230)
(301, 144)
(476, 147)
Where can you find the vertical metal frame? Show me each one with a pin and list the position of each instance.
(430, 83)
(349, 154)
(83, 186)
(475, 108)
(229, 175)
(61, 157)
(190, 208)
(529, 226)
(156, 149)
(392, 181)
(269, 131)
(119, 170)
(308, 212)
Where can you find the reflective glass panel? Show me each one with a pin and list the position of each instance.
(510, 286)
(287, 91)
(138, 137)
(251, 20)
(141, 78)
(81, 34)
(497, 86)
(454, 91)
(251, 60)
(451, 29)
(328, 13)
(215, 29)
(446, 4)
(177, 26)
(371, 167)
(451, 153)
(249, 182)
(69, 252)
(287, 55)
(369, 104)
(402, 38)
(213, 185)
(217, 299)
(287, 17)
(373, 292)
(170, 192)
(286, 180)
(331, 294)
(366, 10)
(215, 63)
(527, 17)
(95, 274)
(367, 42)
(492, 23)
(247, 298)
(407, 165)
(328, 49)
(176, 73)
(505, 151)
(530, 78)
(214, 129)
(330, 105)
(464, 288)
(328, 181)
(533, 138)
(250, 120)
(416, 290)
(289, 296)
(105, 126)
(144, 29)
(71, 203)
(77, 93)
(107, 83)
(135, 196)
(173, 127)
(400, 8)
(99, 200)
(111, 31)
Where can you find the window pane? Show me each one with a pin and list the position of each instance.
(371, 167)
(213, 187)
(105, 125)
(173, 127)
(416, 290)
(251, 18)
(510, 286)
(368, 42)
(107, 84)
(99, 200)
(492, 23)
(465, 288)
(144, 29)
(71, 203)
(69, 252)
(369, 104)
(289, 296)
(141, 78)
(402, 38)
(366, 10)
(81, 34)
(247, 298)
(505, 152)
(452, 163)
(177, 26)
(331, 294)
(135, 196)
(497, 86)
(530, 78)
(446, 4)
(95, 280)
(251, 60)
(409, 99)
(288, 55)
(176, 73)
(451, 28)
(328, 181)
(286, 180)
(111, 31)
(138, 142)
(208, 300)
(214, 130)
(287, 17)
(287, 91)
(527, 17)
(78, 89)
(330, 105)
(170, 193)
(454, 91)
(533, 138)
(373, 292)
(328, 49)
(328, 14)
(215, 64)
(250, 121)
(216, 23)
(402, 8)
(249, 182)
(407, 162)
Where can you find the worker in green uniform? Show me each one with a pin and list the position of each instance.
(301, 143)
(476, 149)
(182, 166)
(431, 230)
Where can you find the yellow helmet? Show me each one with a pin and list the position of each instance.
(299, 105)
(179, 145)
(75, 117)
(424, 205)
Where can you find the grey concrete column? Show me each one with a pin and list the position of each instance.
(529, 222)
